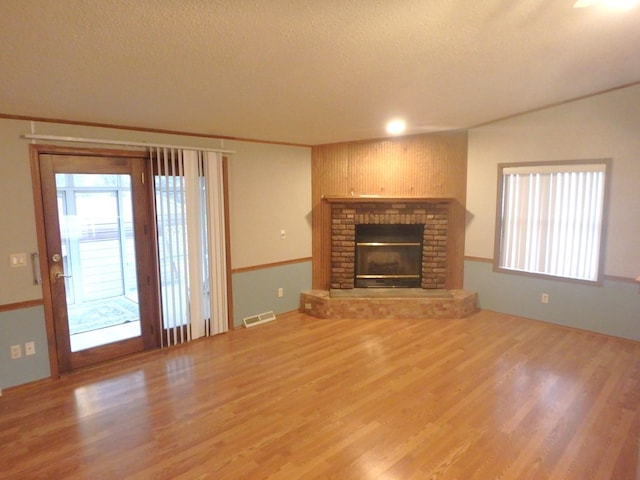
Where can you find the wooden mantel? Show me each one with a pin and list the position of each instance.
(378, 199)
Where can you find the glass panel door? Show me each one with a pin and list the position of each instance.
(98, 253)
(101, 256)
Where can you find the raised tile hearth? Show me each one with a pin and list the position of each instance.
(400, 304)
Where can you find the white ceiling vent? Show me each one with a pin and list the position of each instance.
(258, 319)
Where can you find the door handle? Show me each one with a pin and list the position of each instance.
(62, 275)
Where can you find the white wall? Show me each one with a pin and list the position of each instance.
(270, 191)
(604, 126)
(17, 218)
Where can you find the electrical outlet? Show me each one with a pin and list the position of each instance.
(544, 298)
(281, 292)
(30, 348)
(16, 351)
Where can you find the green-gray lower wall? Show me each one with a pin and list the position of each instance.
(18, 327)
(612, 308)
(256, 291)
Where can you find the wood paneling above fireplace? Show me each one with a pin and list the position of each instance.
(430, 167)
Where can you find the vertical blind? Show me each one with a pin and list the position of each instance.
(191, 243)
(552, 219)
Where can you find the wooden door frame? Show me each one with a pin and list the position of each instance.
(227, 241)
(35, 151)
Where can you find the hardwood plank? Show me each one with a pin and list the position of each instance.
(488, 396)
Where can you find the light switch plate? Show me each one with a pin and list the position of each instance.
(18, 259)
(16, 351)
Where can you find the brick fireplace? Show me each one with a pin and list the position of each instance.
(432, 300)
(430, 214)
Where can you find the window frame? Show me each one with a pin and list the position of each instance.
(607, 162)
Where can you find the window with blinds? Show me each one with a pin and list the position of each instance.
(190, 226)
(550, 219)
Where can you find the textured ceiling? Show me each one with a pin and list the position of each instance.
(306, 71)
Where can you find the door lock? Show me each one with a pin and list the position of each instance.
(56, 257)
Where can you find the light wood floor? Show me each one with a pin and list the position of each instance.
(487, 397)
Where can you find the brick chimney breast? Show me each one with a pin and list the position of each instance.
(432, 215)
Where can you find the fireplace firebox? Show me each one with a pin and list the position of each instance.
(388, 255)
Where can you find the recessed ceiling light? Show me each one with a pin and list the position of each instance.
(621, 4)
(396, 127)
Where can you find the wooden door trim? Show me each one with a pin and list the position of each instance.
(34, 153)
(52, 234)
(89, 152)
(150, 251)
(85, 358)
(34, 157)
(227, 240)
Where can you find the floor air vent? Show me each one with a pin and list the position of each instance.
(258, 319)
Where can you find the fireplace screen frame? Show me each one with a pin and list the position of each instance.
(388, 256)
